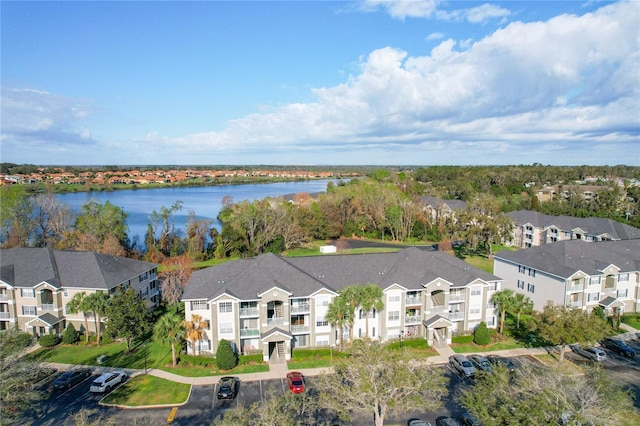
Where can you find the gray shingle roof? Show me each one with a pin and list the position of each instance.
(436, 202)
(28, 266)
(564, 258)
(591, 225)
(303, 276)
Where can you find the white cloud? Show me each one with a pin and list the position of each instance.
(435, 36)
(402, 9)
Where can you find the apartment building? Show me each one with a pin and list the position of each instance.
(534, 229)
(272, 304)
(36, 284)
(438, 209)
(575, 274)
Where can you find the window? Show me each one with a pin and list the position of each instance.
(476, 291)
(595, 280)
(394, 298)
(198, 305)
(152, 284)
(521, 284)
(474, 310)
(532, 272)
(142, 277)
(27, 292)
(322, 301)
(623, 293)
(373, 332)
(531, 288)
(302, 340)
(65, 292)
(359, 333)
(226, 328)
(491, 322)
(593, 297)
(225, 307)
(29, 310)
(394, 315)
(361, 314)
(208, 326)
(623, 277)
(322, 340)
(521, 269)
(321, 322)
(493, 286)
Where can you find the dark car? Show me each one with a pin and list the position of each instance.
(418, 422)
(228, 387)
(71, 378)
(447, 421)
(500, 360)
(480, 363)
(619, 347)
(469, 419)
(296, 382)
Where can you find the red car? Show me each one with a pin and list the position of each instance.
(296, 382)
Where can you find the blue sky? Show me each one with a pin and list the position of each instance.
(320, 82)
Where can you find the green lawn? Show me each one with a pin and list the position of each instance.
(145, 390)
(632, 320)
(467, 345)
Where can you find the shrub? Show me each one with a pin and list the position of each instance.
(196, 361)
(481, 335)
(49, 340)
(226, 358)
(70, 335)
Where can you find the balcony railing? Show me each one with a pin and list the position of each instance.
(412, 319)
(249, 312)
(412, 301)
(300, 328)
(46, 307)
(439, 308)
(576, 304)
(456, 316)
(456, 298)
(296, 309)
(578, 287)
(4, 297)
(275, 321)
(4, 315)
(248, 332)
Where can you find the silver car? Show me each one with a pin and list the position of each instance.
(462, 365)
(592, 353)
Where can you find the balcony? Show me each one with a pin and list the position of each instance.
(300, 328)
(249, 312)
(438, 308)
(457, 316)
(412, 319)
(275, 321)
(574, 288)
(46, 307)
(4, 316)
(4, 297)
(456, 297)
(575, 304)
(249, 332)
(410, 300)
(297, 309)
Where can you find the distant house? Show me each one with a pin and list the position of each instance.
(535, 229)
(36, 284)
(575, 274)
(439, 209)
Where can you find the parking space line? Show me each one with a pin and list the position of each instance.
(213, 396)
(261, 399)
(172, 414)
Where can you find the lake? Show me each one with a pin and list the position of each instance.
(205, 201)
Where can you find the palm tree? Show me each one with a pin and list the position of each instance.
(521, 305)
(97, 303)
(351, 295)
(194, 329)
(337, 314)
(78, 304)
(504, 300)
(170, 330)
(370, 298)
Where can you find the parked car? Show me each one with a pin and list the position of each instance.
(108, 381)
(447, 421)
(296, 382)
(228, 387)
(501, 360)
(592, 353)
(481, 363)
(618, 346)
(462, 365)
(469, 419)
(418, 422)
(69, 379)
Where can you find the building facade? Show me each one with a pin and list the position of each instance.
(575, 274)
(271, 304)
(36, 285)
(532, 229)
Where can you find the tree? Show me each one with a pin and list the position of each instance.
(338, 315)
(97, 304)
(226, 358)
(52, 218)
(382, 382)
(543, 395)
(174, 277)
(351, 295)
(127, 315)
(163, 227)
(370, 298)
(481, 334)
(70, 335)
(194, 330)
(504, 300)
(169, 330)
(99, 220)
(559, 325)
(78, 304)
(521, 304)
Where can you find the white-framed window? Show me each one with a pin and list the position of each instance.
(491, 322)
(595, 280)
(198, 305)
(29, 311)
(301, 340)
(394, 316)
(142, 277)
(522, 269)
(27, 292)
(521, 284)
(321, 322)
(623, 277)
(65, 292)
(532, 272)
(226, 328)
(322, 340)
(476, 291)
(593, 297)
(531, 288)
(394, 298)
(322, 300)
(474, 310)
(225, 307)
(205, 345)
(492, 286)
(623, 293)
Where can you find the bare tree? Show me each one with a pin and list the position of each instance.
(175, 275)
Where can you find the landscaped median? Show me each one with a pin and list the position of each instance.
(145, 390)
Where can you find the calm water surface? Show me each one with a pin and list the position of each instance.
(205, 201)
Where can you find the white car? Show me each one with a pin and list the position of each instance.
(108, 381)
